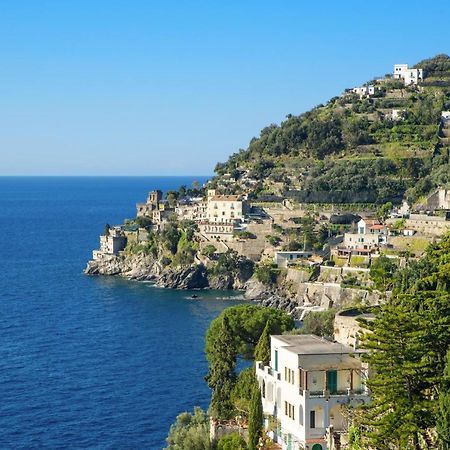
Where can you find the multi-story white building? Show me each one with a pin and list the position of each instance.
(410, 76)
(306, 386)
(369, 236)
(225, 208)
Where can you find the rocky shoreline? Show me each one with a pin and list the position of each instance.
(145, 268)
(295, 295)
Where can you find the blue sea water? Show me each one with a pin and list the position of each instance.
(89, 362)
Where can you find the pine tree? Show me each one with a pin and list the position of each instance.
(221, 374)
(443, 413)
(406, 352)
(255, 419)
(262, 349)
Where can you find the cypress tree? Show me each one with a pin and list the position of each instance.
(262, 349)
(221, 374)
(255, 419)
(443, 413)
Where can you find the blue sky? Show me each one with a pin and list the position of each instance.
(142, 87)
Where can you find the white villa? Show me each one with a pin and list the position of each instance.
(225, 208)
(305, 386)
(370, 235)
(410, 76)
(283, 259)
(364, 91)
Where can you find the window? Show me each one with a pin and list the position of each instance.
(289, 375)
(289, 410)
(312, 419)
(276, 360)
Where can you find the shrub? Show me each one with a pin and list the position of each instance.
(232, 441)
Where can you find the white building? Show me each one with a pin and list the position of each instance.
(111, 243)
(410, 76)
(225, 208)
(305, 386)
(283, 259)
(364, 91)
(369, 236)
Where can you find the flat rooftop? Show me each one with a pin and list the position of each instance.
(315, 353)
(308, 344)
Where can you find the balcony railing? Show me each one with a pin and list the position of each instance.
(340, 393)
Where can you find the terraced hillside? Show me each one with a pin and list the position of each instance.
(353, 149)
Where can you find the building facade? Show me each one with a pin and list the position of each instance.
(305, 387)
(111, 243)
(409, 76)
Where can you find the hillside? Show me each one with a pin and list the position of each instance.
(355, 148)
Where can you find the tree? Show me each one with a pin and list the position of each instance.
(384, 211)
(221, 373)
(232, 441)
(262, 349)
(106, 229)
(255, 419)
(320, 323)
(241, 393)
(190, 431)
(209, 250)
(234, 334)
(382, 272)
(247, 323)
(443, 412)
(407, 349)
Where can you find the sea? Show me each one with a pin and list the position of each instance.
(90, 362)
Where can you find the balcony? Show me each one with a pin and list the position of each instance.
(340, 393)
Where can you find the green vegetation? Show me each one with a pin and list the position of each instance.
(408, 346)
(320, 323)
(235, 333)
(443, 412)
(190, 431)
(255, 419)
(244, 235)
(348, 150)
(382, 271)
(209, 250)
(267, 273)
(262, 349)
(232, 441)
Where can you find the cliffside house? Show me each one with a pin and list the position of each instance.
(225, 208)
(409, 76)
(304, 387)
(111, 243)
(284, 259)
(224, 215)
(191, 209)
(369, 236)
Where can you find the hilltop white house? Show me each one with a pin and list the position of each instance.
(408, 75)
(305, 387)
